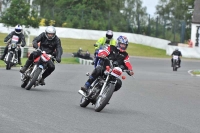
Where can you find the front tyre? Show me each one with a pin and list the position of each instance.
(84, 102)
(8, 63)
(104, 99)
(174, 65)
(25, 82)
(33, 79)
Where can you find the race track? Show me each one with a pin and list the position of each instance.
(156, 100)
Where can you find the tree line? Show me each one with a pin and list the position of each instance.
(117, 15)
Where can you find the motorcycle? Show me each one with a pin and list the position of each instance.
(33, 75)
(175, 62)
(101, 90)
(11, 58)
(82, 54)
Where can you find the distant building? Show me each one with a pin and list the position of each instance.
(195, 25)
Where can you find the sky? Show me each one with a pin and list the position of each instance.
(151, 5)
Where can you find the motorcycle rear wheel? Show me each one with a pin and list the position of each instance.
(32, 80)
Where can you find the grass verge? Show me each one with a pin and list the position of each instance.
(195, 72)
(72, 45)
(70, 60)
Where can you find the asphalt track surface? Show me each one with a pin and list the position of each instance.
(156, 100)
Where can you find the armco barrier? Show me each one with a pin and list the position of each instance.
(24, 51)
(85, 62)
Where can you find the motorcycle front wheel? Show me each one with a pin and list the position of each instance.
(33, 79)
(103, 100)
(8, 64)
(84, 102)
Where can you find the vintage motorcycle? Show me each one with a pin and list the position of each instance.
(33, 75)
(101, 90)
(175, 62)
(11, 58)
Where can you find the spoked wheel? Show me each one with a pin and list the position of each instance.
(8, 64)
(104, 99)
(24, 83)
(174, 65)
(34, 78)
(84, 102)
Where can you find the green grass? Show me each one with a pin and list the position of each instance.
(70, 60)
(72, 45)
(196, 72)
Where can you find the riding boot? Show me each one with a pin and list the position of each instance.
(19, 57)
(19, 61)
(85, 87)
(25, 67)
(42, 81)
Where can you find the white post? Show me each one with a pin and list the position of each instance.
(30, 6)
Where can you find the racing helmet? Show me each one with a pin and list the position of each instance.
(18, 29)
(109, 34)
(122, 43)
(50, 32)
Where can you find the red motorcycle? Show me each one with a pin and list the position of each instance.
(33, 74)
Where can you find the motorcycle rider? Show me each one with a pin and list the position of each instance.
(179, 54)
(108, 39)
(49, 42)
(117, 54)
(22, 41)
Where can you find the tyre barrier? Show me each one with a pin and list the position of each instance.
(85, 62)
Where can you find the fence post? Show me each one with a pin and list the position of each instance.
(182, 31)
(109, 20)
(157, 26)
(164, 28)
(138, 21)
(149, 27)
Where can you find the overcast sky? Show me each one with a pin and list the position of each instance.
(151, 5)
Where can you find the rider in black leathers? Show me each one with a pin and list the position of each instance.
(179, 54)
(50, 43)
(22, 41)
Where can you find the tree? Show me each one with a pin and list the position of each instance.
(19, 13)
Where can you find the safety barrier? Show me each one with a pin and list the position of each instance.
(24, 54)
(85, 62)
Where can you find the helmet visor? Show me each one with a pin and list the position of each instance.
(50, 35)
(122, 46)
(18, 30)
(109, 36)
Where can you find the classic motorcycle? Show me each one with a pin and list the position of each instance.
(175, 62)
(33, 75)
(101, 90)
(11, 58)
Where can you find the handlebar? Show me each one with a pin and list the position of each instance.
(51, 56)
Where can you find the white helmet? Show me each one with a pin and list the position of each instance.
(109, 34)
(50, 30)
(18, 29)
